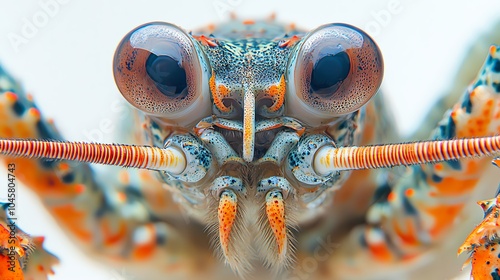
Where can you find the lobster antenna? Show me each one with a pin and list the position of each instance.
(329, 159)
(169, 159)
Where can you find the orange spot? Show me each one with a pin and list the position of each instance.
(380, 251)
(438, 166)
(12, 97)
(391, 197)
(64, 167)
(409, 192)
(277, 92)
(493, 50)
(218, 94)
(205, 41)
(290, 42)
(80, 188)
(122, 197)
(248, 22)
(142, 252)
(34, 112)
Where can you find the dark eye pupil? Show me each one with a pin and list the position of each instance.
(329, 71)
(165, 71)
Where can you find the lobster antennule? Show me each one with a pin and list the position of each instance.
(169, 159)
(330, 159)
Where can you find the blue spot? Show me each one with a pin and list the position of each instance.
(495, 275)
(381, 193)
(479, 82)
(68, 178)
(161, 239)
(455, 164)
(343, 125)
(44, 132)
(47, 163)
(155, 125)
(489, 60)
(105, 207)
(133, 192)
(467, 104)
(496, 66)
(408, 207)
(18, 108)
(293, 160)
(436, 178)
(448, 130)
(496, 87)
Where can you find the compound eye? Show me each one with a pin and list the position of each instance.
(158, 70)
(338, 68)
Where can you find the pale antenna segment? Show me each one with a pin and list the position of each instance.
(169, 159)
(330, 159)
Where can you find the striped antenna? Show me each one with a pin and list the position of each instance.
(169, 159)
(330, 159)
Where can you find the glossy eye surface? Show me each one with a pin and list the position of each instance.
(168, 75)
(159, 71)
(324, 81)
(337, 69)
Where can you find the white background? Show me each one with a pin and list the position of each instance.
(66, 63)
